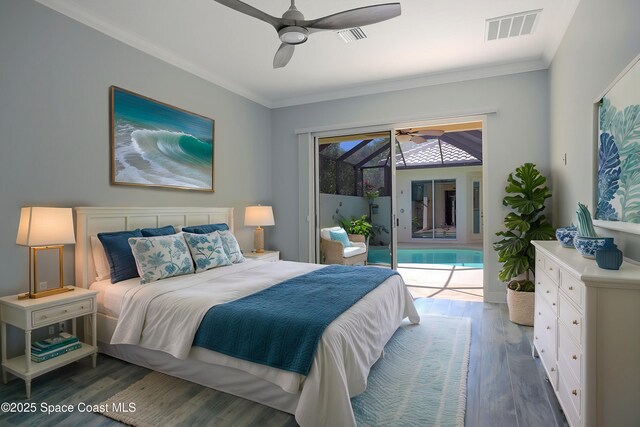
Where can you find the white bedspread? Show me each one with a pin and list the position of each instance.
(165, 315)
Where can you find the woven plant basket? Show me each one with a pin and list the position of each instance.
(521, 306)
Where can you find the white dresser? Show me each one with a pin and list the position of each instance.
(587, 335)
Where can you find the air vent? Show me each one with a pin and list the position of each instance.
(518, 24)
(352, 35)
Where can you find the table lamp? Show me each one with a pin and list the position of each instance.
(258, 216)
(43, 229)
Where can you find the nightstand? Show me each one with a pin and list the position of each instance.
(271, 256)
(30, 314)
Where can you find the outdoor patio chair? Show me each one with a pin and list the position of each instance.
(334, 252)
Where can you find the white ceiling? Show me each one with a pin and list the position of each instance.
(432, 42)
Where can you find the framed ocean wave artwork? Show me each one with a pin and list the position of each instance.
(158, 145)
(618, 143)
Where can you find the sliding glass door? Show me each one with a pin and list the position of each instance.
(434, 209)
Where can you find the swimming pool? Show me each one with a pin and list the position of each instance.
(460, 257)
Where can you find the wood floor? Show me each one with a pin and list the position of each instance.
(506, 386)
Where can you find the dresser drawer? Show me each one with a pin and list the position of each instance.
(548, 290)
(570, 394)
(570, 317)
(539, 261)
(572, 287)
(569, 352)
(50, 315)
(545, 328)
(552, 269)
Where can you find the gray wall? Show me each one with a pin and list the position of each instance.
(518, 133)
(55, 75)
(603, 37)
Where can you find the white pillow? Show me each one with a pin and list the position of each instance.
(231, 246)
(100, 261)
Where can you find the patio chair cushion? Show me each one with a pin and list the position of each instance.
(356, 249)
(340, 236)
(325, 233)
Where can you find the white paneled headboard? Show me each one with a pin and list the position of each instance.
(93, 220)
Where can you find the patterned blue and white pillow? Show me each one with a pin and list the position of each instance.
(161, 257)
(231, 246)
(207, 250)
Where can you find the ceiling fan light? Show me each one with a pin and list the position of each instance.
(293, 35)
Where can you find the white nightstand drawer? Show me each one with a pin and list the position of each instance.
(61, 312)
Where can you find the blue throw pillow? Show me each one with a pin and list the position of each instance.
(341, 236)
(160, 231)
(122, 265)
(205, 228)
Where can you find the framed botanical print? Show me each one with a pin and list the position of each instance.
(156, 144)
(618, 136)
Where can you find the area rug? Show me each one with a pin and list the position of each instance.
(420, 381)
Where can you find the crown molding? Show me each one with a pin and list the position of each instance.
(128, 38)
(416, 82)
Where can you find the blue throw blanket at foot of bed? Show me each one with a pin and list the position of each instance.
(281, 326)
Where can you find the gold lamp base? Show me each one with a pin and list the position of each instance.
(258, 239)
(44, 293)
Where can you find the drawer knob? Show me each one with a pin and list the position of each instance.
(575, 322)
(81, 307)
(548, 291)
(570, 288)
(574, 392)
(542, 351)
(574, 357)
(553, 369)
(550, 268)
(539, 313)
(553, 304)
(548, 327)
(66, 311)
(536, 337)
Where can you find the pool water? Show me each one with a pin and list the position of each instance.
(459, 257)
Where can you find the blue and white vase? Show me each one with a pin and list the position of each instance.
(609, 257)
(565, 236)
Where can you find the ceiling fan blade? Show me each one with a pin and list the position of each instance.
(358, 17)
(430, 132)
(277, 23)
(283, 55)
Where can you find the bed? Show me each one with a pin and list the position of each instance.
(348, 348)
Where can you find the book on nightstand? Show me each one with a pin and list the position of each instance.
(53, 347)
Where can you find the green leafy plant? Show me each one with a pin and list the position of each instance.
(527, 193)
(357, 226)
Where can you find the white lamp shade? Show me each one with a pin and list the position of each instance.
(45, 226)
(258, 216)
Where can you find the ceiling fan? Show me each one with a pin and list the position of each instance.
(417, 136)
(293, 29)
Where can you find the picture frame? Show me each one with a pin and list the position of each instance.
(617, 130)
(154, 144)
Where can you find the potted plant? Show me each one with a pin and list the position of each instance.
(357, 226)
(526, 196)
